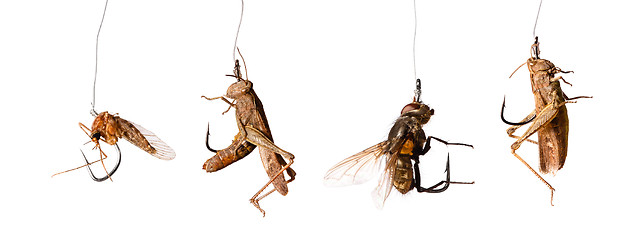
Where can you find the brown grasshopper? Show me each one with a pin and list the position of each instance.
(254, 131)
(550, 116)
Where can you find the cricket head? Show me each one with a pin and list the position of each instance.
(420, 110)
(239, 88)
(539, 64)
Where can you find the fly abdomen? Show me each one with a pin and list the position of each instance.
(403, 174)
(228, 155)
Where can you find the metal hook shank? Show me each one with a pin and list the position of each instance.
(502, 117)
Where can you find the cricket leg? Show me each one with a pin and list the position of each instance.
(512, 129)
(231, 104)
(256, 137)
(543, 118)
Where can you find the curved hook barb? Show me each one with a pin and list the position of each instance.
(118, 163)
(208, 134)
(502, 117)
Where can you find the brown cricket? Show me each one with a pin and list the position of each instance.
(254, 131)
(550, 118)
(406, 142)
(109, 128)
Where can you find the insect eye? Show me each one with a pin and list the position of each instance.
(410, 107)
(95, 136)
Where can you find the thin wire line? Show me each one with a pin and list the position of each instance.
(241, 17)
(96, 61)
(417, 81)
(536, 18)
(415, 39)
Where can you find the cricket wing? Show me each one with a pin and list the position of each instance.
(553, 142)
(145, 140)
(385, 184)
(356, 169)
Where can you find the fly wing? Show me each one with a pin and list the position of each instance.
(145, 140)
(356, 169)
(385, 184)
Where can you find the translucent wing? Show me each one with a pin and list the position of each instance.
(385, 184)
(356, 169)
(145, 139)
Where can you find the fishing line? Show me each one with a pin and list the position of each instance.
(241, 17)
(96, 61)
(418, 81)
(536, 18)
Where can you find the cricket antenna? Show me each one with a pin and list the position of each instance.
(96, 61)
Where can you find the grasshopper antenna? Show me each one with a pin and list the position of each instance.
(96, 61)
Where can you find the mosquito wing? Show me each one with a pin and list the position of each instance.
(385, 184)
(356, 169)
(145, 139)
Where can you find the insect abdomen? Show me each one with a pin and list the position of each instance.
(228, 155)
(403, 174)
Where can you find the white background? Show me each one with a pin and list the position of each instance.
(333, 76)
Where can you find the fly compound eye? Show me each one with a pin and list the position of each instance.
(411, 107)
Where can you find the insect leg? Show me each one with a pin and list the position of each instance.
(433, 189)
(231, 104)
(109, 174)
(84, 128)
(543, 118)
(256, 137)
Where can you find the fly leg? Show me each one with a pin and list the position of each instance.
(256, 137)
(417, 178)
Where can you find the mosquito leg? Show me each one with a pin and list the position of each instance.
(109, 174)
(84, 128)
